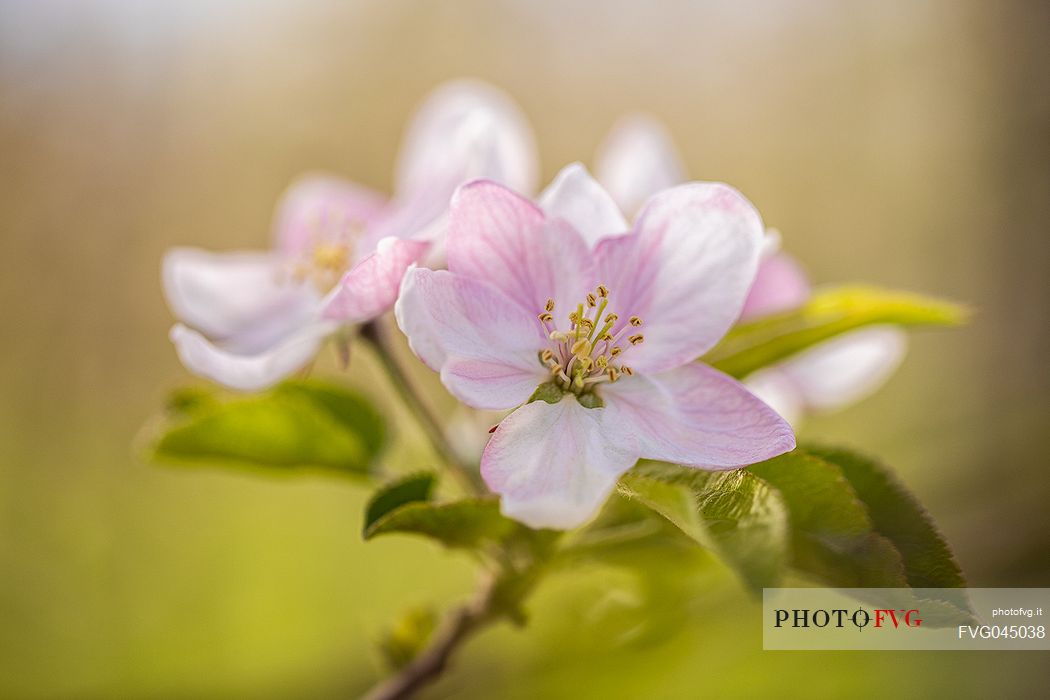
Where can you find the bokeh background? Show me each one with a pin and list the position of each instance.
(901, 143)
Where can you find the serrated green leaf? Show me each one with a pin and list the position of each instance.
(389, 497)
(832, 536)
(294, 427)
(460, 524)
(732, 513)
(897, 515)
(751, 345)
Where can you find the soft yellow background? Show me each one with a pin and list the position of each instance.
(903, 143)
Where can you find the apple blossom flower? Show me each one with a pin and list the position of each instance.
(637, 159)
(249, 319)
(589, 329)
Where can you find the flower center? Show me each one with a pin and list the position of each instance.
(591, 350)
(329, 253)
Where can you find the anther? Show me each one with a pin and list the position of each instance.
(546, 356)
(612, 318)
(546, 317)
(603, 291)
(592, 301)
(635, 321)
(636, 339)
(616, 351)
(549, 306)
(612, 374)
(602, 362)
(626, 370)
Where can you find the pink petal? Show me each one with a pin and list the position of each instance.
(466, 130)
(778, 391)
(370, 288)
(244, 299)
(780, 285)
(696, 416)
(637, 160)
(323, 208)
(555, 464)
(485, 346)
(577, 197)
(685, 271)
(248, 371)
(501, 238)
(845, 369)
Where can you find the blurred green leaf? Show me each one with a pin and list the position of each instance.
(755, 344)
(465, 524)
(295, 426)
(408, 489)
(403, 642)
(732, 513)
(897, 515)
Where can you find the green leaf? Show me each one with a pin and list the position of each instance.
(897, 515)
(462, 524)
(755, 344)
(296, 426)
(408, 489)
(732, 513)
(832, 536)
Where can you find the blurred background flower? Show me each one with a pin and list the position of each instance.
(902, 143)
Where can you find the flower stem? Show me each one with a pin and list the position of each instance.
(468, 477)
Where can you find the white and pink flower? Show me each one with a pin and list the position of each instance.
(602, 324)
(249, 319)
(639, 158)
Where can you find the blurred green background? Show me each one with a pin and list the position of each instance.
(902, 143)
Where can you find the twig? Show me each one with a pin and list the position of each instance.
(460, 625)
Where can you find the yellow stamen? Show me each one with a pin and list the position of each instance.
(635, 321)
(636, 339)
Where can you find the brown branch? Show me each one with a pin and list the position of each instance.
(432, 662)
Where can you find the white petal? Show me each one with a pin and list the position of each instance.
(243, 299)
(485, 346)
(697, 416)
(248, 372)
(577, 197)
(685, 270)
(637, 160)
(778, 391)
(465, 130)
(555, 464)
(845, 369)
